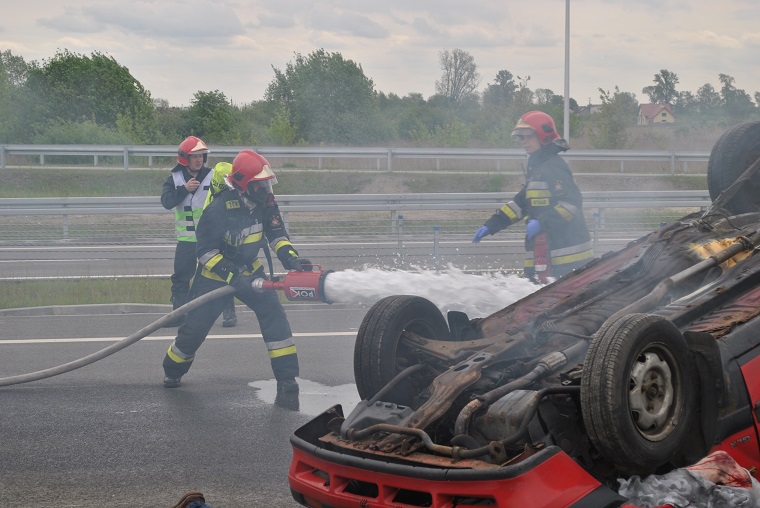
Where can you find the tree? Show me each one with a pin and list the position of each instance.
(76, 87)
(460, 76)
(616, 114)
(501, 92)
(685, 103)
(210, 117)
(14, 124)
(548, 97)
(14, 68)
(664, 90)
(736, 102)
(329, 99)
(707, 100)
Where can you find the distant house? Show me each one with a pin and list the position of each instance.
(650, 114)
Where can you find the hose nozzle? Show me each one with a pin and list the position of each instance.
(298, 286)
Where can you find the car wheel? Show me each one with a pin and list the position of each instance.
(637, 396)
(379, 354)
(736, 149)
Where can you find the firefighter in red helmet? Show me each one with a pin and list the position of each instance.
(236, 226)
(550, 202)
(185, 191)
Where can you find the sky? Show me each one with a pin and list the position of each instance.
(177, 48)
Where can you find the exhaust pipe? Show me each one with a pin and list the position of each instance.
(298, 286)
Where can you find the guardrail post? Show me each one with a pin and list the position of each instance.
(672, 163)
(390, 160)
(400, 234)
(2, 157)
(284, 217)
(622, 166)
(596, 232)
(126, 157)
(95, 160)
(436, 251)
(42, 159)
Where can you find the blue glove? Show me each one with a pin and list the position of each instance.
(533, 228)
(480, 234)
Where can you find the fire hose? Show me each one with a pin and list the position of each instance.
(296, 286)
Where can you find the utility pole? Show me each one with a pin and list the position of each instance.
(566, 130)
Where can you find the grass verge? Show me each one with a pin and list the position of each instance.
(19, 294)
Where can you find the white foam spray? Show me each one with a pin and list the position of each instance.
(478, 295)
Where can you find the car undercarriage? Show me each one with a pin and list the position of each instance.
(638, 363)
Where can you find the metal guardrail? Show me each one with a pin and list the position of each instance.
(134, 236)
(145, 205)
(383, 158)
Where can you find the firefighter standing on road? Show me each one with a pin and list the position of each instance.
(235, 226)
(185, 191)
(550, 201)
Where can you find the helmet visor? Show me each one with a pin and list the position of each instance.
(522, 133)
(262, 185)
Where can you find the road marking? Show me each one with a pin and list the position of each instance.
(169, 337)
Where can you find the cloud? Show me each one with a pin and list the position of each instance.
(706, 39)
(276, 21)
(191, 20)
(72, 20)
(751, 39)
(345, 23)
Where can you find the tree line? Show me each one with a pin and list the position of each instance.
(323, 98)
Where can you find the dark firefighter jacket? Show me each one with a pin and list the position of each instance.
(231, 235)
(550, 196)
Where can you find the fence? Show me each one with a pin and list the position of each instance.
(133, 236)
(369, 158)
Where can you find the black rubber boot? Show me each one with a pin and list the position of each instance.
(288, 385)
(229, 315)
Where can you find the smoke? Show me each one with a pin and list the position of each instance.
(478, 295)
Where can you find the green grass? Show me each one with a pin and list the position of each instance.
(40, 183)
(18, 294)
(21, 294)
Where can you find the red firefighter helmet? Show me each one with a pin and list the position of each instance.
(191, 145)
(538, 122)
(248, 167)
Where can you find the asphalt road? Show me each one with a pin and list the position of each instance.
(110, 435)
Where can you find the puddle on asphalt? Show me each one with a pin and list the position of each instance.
(313, 398)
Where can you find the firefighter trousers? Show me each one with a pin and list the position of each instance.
(185, 262)
(273, 322)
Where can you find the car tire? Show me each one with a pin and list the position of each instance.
(736, 149)
(637, 394)
(378, 355)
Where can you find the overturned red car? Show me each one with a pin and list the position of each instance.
(644, 361)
